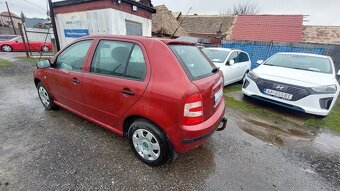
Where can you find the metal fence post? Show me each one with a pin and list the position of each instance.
(23, 39)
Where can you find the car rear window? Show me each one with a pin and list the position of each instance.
(194, 62)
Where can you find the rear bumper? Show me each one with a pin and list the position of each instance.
(309, 104)
(193, 136)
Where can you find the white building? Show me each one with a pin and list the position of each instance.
(77, 18)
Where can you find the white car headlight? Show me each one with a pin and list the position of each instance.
(325, 89)
(253, 76)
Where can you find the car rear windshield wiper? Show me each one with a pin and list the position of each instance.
(215, 70)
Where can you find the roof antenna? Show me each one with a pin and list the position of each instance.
(172, 36)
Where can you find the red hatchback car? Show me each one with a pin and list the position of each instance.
(15, 43)
(164, 95)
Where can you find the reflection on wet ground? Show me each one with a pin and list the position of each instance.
(319, 149)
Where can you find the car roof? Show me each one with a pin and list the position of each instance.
(224, 49)
(304, 54)
(140, 38)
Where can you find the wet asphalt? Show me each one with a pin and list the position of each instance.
(57, 150)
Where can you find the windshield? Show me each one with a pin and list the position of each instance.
(193, 61)
(217, 56)
(301, 62)
(6, 37)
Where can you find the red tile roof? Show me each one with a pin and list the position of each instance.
(277, 28)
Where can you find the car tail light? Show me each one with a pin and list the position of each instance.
(193, 110)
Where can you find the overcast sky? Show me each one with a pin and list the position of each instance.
(321, 12)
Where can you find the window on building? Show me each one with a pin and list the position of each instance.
(133, 28)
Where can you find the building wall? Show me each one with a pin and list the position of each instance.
(102, 21)
(5, 19)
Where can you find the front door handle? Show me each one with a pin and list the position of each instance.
(75, 81)
(127, 92)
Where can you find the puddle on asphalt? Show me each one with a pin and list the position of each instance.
(283, 135)
(328, 141)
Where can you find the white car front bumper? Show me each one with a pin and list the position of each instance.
(309, 104)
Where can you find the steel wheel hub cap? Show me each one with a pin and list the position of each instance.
(7, 48)
(45, 99)
(146, 144)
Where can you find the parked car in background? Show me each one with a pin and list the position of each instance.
(234, 64)
(17, 44)
(108, 80)
(303, 82)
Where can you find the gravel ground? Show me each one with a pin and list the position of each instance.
(57, 150)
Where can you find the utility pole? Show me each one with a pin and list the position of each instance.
(54, 25)
(10, 16)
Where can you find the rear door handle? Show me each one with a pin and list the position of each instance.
(127, 92)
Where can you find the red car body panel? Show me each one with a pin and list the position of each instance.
(159, 98)
(18, 45)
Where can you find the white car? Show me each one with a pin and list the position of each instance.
(304, 82)
(234, 64)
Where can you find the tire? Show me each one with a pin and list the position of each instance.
(149, 144)
(6, 48)
(45, 97)
(45, 49)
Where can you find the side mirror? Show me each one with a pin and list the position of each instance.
(231, 62)
(43, 64)
(259, 62)
(16, 41)
(338, 73)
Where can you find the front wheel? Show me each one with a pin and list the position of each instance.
(45, 97)
(148, 143)
(6, 48)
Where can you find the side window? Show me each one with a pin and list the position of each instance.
(111, 58)
(233, 56)
(72, 58)
(243, 57)
(19, 40)
(136, 67)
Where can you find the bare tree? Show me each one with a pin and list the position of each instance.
(244, 8)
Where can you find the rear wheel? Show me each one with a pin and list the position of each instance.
(45, 48)
(6, 48)
(45, 97)
(148, 143)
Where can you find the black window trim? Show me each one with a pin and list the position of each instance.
(128, 61)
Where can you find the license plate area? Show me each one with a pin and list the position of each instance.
(278, 94)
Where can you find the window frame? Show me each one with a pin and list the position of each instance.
(54, 63)
(128, 60)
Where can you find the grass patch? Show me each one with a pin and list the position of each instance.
(4, 63)
(332, 121)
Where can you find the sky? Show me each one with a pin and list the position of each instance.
(320, 12)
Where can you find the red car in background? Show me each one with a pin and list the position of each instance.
(15, 43)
